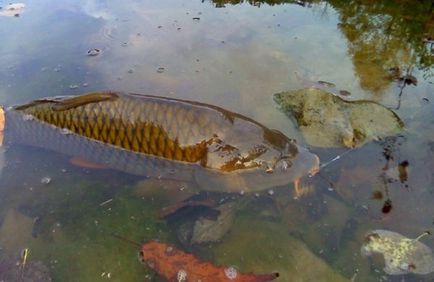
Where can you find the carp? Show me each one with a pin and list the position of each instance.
(161, 137)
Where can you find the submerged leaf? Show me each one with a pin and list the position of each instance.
(327, 120)
(176, 265)
(387, 206)
(377, 195)
(402, 168)
(401, 254)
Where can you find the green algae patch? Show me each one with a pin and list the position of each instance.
(327, 120)
(264, 247)
(87, 237)
(71, 231)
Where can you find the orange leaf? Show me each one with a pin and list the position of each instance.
(176, 265)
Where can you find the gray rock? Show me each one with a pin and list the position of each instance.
(327, 120)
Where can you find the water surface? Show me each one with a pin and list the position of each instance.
(236, 55)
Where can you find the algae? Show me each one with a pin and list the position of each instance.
(73, 231)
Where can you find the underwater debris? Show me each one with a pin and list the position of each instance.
(377, 195)
(174, 264)
(46, 180)
(402, 255)
(327, 120)
(409, 79)
(93, 52)
(344, 93)
(402, 169)
(326, 83)
(387, 206)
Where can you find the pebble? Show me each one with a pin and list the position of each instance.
(231, 273)
(344, 93)
(93, 52)
(45, 180)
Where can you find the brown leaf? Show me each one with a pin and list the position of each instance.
(377, 195)
(176, 265)
(387, 206)
(402, 168)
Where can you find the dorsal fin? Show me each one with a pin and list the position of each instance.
(94, 97)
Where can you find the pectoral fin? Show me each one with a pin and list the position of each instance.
(86, 164)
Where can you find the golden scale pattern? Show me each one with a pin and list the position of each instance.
(147, 133)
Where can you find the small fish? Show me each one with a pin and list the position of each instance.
(162, 137)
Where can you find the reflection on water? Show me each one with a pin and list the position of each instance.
(235, 57)
(385, 37)
(382, 37)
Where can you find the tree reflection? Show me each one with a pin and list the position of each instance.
(223, 3)
(386, 39)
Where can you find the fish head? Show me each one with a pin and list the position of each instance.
(303, 163)
(283, 155)
(259, 164)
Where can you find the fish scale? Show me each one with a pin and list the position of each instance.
(146, 134)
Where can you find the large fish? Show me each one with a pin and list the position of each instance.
(161, 137)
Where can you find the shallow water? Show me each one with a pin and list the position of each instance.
(236, 55)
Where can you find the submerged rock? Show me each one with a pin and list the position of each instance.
(327, 120)
(207, 230)
(15, 231)
(401, 254)
(261, 246)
